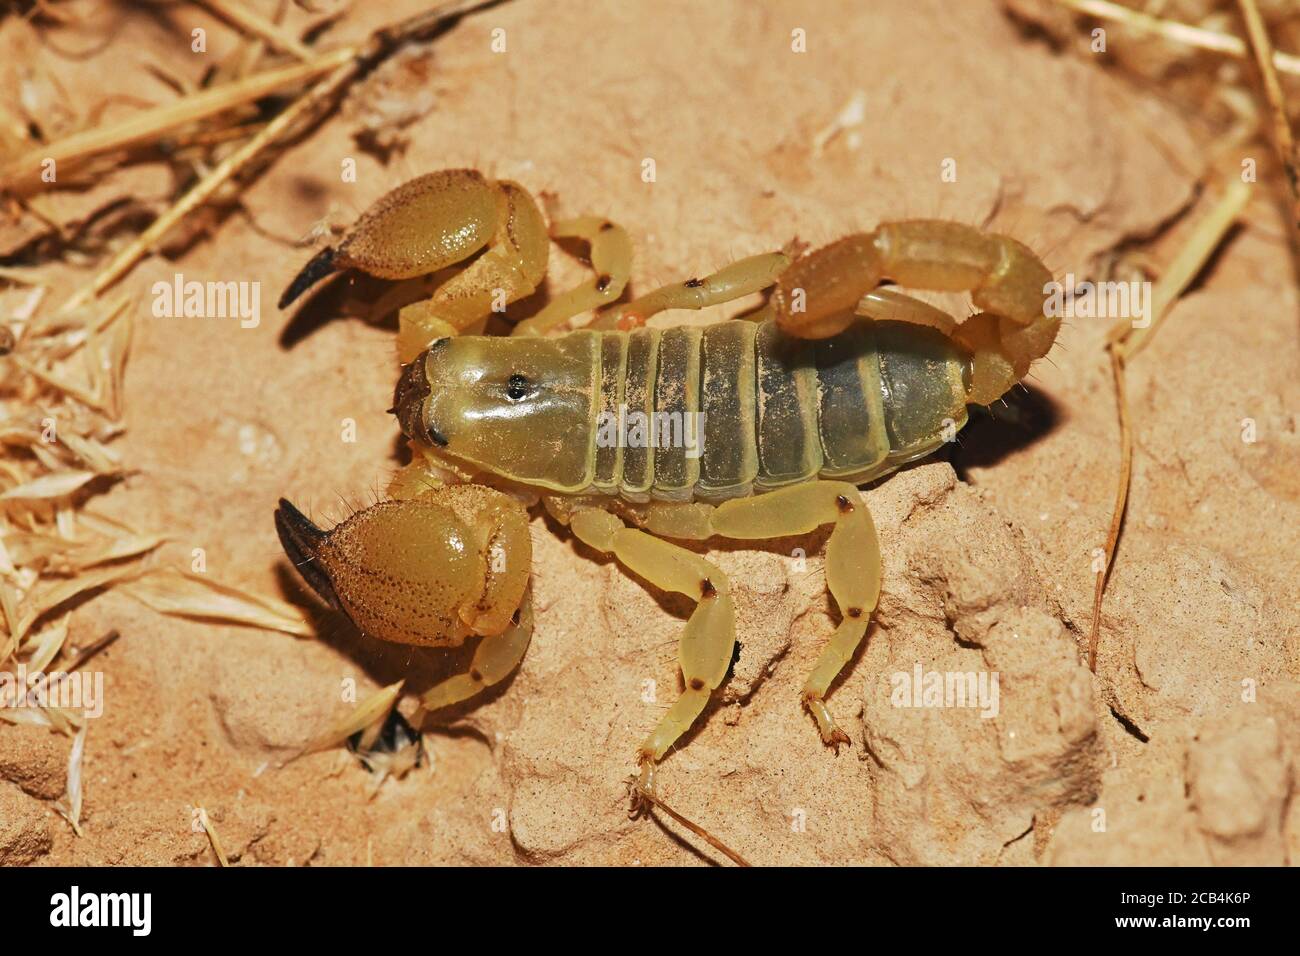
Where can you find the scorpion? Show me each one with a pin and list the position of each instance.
(837, 379)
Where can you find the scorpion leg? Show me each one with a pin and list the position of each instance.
(852, 568)
(611, 259)
(753, 274)
(819, 295)
(852, 559)
(709, 637)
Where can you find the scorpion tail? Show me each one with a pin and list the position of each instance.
(820, 294)
(317, 268)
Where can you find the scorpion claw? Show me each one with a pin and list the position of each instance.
(317, 268)
(301, 540)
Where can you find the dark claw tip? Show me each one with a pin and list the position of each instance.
(317, 268)
(301, 540)
(296, 523)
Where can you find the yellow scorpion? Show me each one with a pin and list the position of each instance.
(834, 382)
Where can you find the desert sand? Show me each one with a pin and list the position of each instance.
(1183, 748)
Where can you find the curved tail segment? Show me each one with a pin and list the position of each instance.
(819, 295)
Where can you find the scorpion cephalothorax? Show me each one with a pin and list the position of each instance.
(835, 381)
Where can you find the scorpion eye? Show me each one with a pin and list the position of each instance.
(516, 388)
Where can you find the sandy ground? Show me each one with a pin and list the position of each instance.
(1184, 748)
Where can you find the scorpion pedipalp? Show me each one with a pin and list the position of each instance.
(430, 570)
(435, 221)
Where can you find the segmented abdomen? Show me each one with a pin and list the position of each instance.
(777, 410)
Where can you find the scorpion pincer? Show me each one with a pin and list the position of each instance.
(836, 381)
